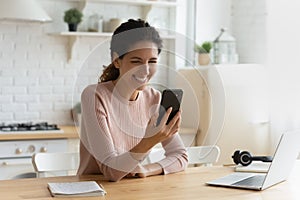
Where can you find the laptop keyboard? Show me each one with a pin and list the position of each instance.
(256, 180)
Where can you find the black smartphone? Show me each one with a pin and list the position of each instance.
(170, 98)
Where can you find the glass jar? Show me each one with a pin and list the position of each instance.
(93, 23)
(100, 24)
(224, 49)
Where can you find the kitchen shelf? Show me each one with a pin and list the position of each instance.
(86, 34)
(98, 34)
(134, 2)
(137, 2)
(73, 36)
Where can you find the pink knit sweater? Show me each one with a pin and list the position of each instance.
(112, 125)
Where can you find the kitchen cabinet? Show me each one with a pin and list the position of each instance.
(196, 102)
(231, 104)
(16, 149)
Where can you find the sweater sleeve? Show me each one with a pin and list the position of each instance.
(97, 139)
(176, 158)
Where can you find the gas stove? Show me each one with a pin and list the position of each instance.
(29, 127)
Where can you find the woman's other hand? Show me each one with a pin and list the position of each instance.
(143, 171)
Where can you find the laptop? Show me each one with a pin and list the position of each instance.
(283, 162)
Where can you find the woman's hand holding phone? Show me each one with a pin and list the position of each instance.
(161, 126)
(162, 131)
(167, 122)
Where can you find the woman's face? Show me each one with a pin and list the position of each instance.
(138, 66)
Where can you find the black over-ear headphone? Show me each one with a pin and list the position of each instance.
(245, 158)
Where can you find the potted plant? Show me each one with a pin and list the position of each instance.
(203, 51)
(73, 17)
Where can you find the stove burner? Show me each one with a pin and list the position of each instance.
(43, 126)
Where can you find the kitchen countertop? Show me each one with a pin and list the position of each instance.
(69, 132)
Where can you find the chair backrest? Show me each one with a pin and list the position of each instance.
(205, 155)
(55, 164)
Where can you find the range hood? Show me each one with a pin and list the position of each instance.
(22, 10)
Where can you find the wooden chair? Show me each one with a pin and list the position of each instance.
(55, 164)
(205, 155)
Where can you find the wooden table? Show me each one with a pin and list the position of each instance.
(184, 185)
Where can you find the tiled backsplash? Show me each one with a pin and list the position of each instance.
(37, 81)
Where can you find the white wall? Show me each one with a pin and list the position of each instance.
(249, 26)
(284, 65)
(246, 124)
(212, 15)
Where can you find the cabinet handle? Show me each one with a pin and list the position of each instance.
(19, 151)
(14, 164)
(43, 149)
(31, 148)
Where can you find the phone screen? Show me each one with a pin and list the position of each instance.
(170, 98)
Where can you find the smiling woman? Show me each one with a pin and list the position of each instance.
(136, 68)
(119, 114)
